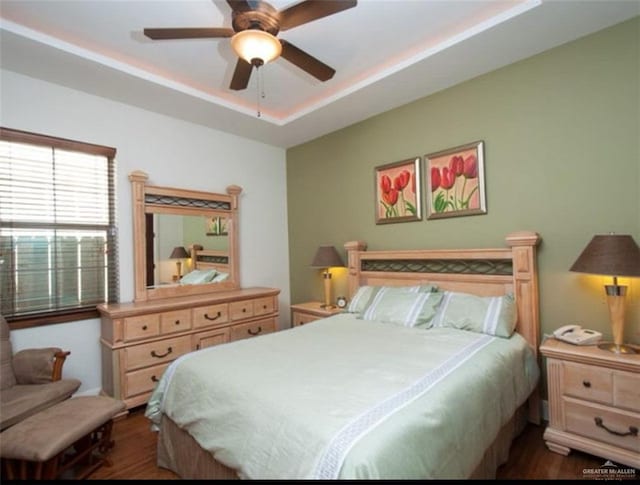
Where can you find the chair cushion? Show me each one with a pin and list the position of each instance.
(7, 376)
(22, 401)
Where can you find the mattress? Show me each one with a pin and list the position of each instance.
(347, 398)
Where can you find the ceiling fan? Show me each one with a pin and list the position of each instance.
(253, 36)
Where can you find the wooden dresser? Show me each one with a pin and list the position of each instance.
(140, 339)
(594, 401)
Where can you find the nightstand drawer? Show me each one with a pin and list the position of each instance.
(302, 318)
(626, 390)
(588, 382)
(602, 423)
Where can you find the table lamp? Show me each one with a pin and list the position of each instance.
(327, 257)
(612, 255)
(179, 253)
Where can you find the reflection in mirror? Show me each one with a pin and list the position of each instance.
(166, 232)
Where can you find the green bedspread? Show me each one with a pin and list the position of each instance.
(347, 398)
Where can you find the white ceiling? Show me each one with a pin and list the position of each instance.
(385, 52)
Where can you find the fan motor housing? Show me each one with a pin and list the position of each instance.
(263, 16)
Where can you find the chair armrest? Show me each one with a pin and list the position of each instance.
(39, 366)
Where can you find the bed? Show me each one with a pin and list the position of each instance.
(364, 395)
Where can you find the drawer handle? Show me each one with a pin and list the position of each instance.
(244, 310)
(633, 431)
(264, 307)
(586, 383)
(160, 356)
(177, 322)
(218, 315)
(144, 327)
(154, 379)
(256, 332)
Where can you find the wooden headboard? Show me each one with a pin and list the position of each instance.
(485, 272)
(209, 259)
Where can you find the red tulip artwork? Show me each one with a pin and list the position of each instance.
(456, 178)
(397, 191)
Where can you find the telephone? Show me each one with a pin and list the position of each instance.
(575, 334)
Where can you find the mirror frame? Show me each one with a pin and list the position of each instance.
(148, 199)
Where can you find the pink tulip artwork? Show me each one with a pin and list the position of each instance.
(397, 190)
(456, 181)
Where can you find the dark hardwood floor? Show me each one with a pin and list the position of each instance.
(134, 456)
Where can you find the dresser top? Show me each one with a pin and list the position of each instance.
(120, 310)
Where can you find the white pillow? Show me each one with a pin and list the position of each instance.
(409, 309)
(198, 276)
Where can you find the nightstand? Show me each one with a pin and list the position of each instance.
(302, 313)
(594, 401)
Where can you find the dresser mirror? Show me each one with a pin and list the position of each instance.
(185, 241)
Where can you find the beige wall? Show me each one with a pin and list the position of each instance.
(173, 153)
(562, 157)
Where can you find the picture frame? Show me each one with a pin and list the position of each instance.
(455, 184)
(397, 191)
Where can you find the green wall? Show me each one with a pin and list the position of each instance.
(562, 158)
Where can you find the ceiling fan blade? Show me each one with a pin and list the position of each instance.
(241, 75)
(310, 10)
(240, 5)
(188, 33)
(306, 62)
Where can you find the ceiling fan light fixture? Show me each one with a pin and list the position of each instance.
(253, 44)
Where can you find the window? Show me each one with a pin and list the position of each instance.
(58, 246)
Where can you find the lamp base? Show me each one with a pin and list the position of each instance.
(324, 305)
(617, 349)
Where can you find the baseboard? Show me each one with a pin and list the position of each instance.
(89, 392)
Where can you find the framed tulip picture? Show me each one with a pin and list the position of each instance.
(455, 181)
(397, 192)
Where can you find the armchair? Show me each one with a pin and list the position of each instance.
(30, 380)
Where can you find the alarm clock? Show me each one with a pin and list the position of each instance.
(341, 301)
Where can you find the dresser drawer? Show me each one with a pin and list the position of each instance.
(602, 423)
(206, 316)
(138, 356)
(588, 382)
(263, 306)
(253, 329)
(143, 380)
(626, 390)
(176, 321)
(241, 309)
(143, 326)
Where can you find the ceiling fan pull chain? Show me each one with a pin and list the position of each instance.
(258, 89)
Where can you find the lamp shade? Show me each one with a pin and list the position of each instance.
(327, 256)
(256, 44)
(179, 252)
(610, 254)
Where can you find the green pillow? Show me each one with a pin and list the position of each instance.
(407, 308)
(493, 315)
(198, 276)
(364, 294)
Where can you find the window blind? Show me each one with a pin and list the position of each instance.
(58, 244)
